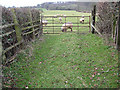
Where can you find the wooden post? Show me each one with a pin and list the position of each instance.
(65, 22)
(114, 22)
(78, 24)
(31, 23)
(41, 25)
(89, 24)
(17, 27)
(118, 38)
(53, 23)
(92, 29)
(115, 37)
(1, 49)
(118, 41)
(93, 18)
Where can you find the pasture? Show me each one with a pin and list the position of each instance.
(57, 22)
(66, 60)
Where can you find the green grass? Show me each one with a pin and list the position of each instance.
(67, 60)
(65, 12)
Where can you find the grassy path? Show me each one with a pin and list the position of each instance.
(66, 60)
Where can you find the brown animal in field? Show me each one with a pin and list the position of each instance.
(66, 26)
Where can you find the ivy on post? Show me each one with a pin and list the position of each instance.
(31, 22)
(93, 18)
(17, 27)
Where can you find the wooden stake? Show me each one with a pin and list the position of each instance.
(93, 18)
(89, 24)
(118, 38)
(17, 27)
(32, 24)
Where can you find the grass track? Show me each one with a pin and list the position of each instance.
(65, 60)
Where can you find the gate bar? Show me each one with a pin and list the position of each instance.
(66, 16)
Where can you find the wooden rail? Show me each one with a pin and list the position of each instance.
(96, 29)
(5, 26)
(29, 22)
(30, 31)
(6, 34)
(9, 48)
(65, 16)
(60, 26)
(29, 27)
(32, 27)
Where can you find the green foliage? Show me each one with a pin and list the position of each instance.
(79, 6)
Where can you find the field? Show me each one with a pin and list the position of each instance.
(66, 60)
(56, 21)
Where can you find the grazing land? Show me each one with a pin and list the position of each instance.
(57, 22)
(66, 60)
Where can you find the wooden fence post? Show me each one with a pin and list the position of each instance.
(1, 48)
(93, 18)
(78, 24)
(118, 38)
(89, 24)
(41, 23)
(53, 23)
(17, 27)
(31, 23)
(118, 41)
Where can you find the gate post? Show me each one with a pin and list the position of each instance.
(78, 24)
(118, 37)
(93, 18)
(118, 40)
(53, 24)
(41, 25)
(89, 24)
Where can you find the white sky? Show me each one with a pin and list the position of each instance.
(19, 3)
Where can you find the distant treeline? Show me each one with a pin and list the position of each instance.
(78, 6)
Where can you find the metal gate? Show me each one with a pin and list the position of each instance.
(54, 23)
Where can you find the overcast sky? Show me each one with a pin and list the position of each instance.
(19, 3)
